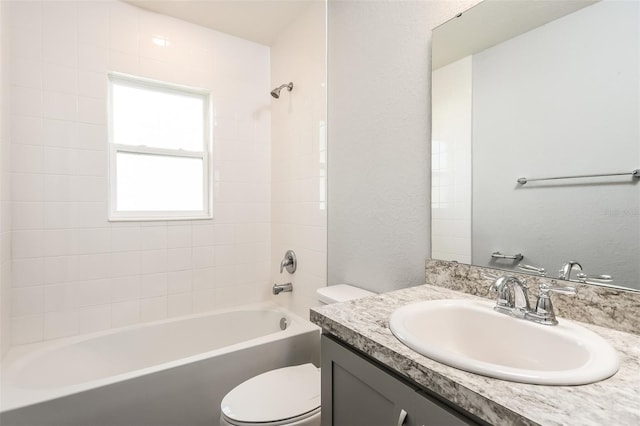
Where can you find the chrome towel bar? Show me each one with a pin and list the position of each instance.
(498, 255)
(635, 173)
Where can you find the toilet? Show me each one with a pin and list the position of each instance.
(288, 396)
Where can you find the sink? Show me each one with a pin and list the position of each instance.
(471, 336)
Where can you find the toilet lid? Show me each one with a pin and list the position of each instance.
(273, 396)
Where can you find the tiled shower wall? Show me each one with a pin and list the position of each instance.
(73, 270)
(299, 153)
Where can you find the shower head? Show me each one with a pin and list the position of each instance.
(276, 92)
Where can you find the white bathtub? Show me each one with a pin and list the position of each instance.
(173, 372)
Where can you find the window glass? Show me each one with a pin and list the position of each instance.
(158, 183)
(157, 117)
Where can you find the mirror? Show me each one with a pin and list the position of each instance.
(539, 89)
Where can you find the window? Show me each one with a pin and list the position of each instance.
(159, 145)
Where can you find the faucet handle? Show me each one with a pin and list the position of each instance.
(545, 289)
(584, 278)
(290, 262)
(529, 268)
(544, 313)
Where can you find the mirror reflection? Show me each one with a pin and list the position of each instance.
(546, 90)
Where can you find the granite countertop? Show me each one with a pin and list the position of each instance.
(363, 324)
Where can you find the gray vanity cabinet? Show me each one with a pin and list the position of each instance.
(356, 392)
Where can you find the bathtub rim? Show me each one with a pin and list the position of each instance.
(15, 397)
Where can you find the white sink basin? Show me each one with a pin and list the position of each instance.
(471, 336)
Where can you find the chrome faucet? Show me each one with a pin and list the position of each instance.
(289, 261)
(279, 288)
(517, 305)
(565, 272)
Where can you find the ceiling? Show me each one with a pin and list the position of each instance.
(496, 21)
(256, 20)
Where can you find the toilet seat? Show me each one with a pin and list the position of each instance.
(277, 397)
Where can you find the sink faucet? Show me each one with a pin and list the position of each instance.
(565, 272)
(516, 305)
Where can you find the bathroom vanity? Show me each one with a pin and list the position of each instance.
(359, 391)
(368, 372)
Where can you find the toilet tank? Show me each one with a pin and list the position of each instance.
(341, 293)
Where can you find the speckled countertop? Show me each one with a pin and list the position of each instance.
(363, 324)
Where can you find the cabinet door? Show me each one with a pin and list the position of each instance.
(357, 392)
(428, 411)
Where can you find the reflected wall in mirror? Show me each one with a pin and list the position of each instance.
(539, 89)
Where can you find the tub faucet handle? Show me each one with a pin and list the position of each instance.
(289, 261)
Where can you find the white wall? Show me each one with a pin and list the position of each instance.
(298, 166)
(579, 75)
(451, 101)
(75, 272)
(5, 189)
(379, 149)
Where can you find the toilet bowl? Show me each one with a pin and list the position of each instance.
(288, 396)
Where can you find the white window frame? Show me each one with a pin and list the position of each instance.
(204, 155)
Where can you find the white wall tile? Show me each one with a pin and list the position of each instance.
(27, 301)
(27, 272)
(92, 84)
(57, 78)
(203, 235)
(95, 318)
(93, 24)
(28, 215)
(26, 73)
(61, 324)
(123, 28)
(27, 159)
(91, 58)
(153, 261)
(153, 237)
(204, 278)
(202, 257)
(60, 39)
(125, 288)
(125, 239)
(125, 313)
(153, 309)
(73, 268)
(58, 133)
(90, 293)
(26, 130)
(178, 304)
(57, 269)
(178, 259)
(179, 236)
(27, 329)
(125, 263)
(91, 110)
(203, 300)
(26, 244)
(179, 281)
(92, 137)
(153, 285)
(59, 106)
(26, 101)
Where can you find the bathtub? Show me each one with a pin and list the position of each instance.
(172, 372)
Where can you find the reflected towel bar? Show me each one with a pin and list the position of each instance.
(498, 255)
(635, 173)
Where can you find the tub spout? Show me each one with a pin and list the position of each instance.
(279, 288)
